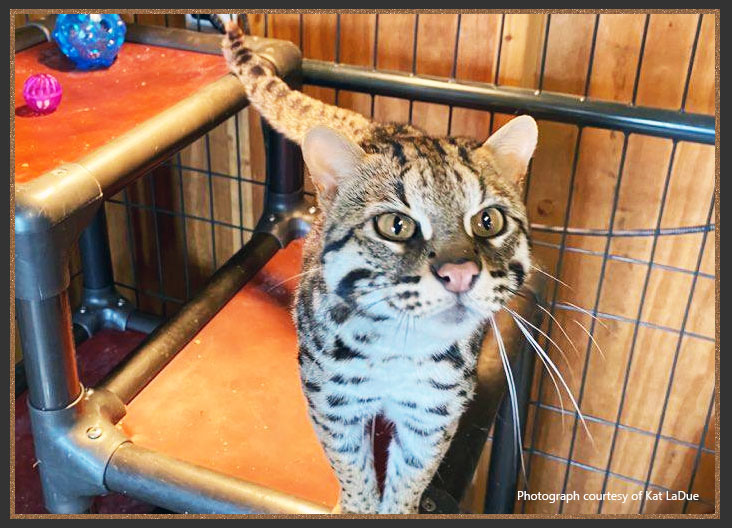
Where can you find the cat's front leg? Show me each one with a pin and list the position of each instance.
(347, 444)
(415, 452)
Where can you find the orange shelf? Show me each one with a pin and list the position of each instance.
(231, 399)
(98, 106)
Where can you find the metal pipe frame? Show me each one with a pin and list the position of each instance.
(288, 211)
(580, 111)
(182, 487)
(73, 428)
(102, 306)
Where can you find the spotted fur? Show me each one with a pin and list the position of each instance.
(379, 334)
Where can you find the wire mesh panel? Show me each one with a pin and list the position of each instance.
(174, 227)
(624, 223)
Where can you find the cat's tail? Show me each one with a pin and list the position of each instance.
(290, 112)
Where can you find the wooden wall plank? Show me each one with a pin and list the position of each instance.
(665, 60)
(701, 96)
(282, 26)
(637, 191)
(436, 42)
(477, 60)
(395, 51)
(257, 25)
(357, 42)
(568, 53)
(616, 56)
(521, 51)
(691, 391)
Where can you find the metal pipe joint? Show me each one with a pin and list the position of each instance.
(73, 446)
(50, 214)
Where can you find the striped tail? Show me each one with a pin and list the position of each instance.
(288, 111)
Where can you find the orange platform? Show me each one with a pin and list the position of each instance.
(231, 399)
(98, 106)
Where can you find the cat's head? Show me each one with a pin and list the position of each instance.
(425, 229)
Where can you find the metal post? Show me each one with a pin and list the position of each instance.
(288, 212)
(48, 221)
(48, 350)
(45, 231)
(500, 495)
(96, 260)
(284, 165)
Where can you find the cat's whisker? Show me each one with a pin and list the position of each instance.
(512, 393)
(548, 371)
(520, 294)
(410, 322)
(400, 321)
(592, 338)
(552, 277)
(364, 311)
(291, 278)
(561, 329)
(586, 312)
(561, 352)
(373, 431)
(306, 376)
(541, 352)
(556, 387)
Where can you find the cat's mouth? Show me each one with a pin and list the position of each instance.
(457, 313)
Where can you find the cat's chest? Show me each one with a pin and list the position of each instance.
(394, 376)
(392, 342)
(394, 354)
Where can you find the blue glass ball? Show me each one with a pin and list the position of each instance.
(90, 41)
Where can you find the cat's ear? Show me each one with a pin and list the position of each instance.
(512, 146)
(330, 157)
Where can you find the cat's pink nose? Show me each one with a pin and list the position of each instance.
(458, 277)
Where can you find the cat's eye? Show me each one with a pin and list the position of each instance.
(394, 226)
(488, 223)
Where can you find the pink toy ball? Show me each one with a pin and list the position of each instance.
(42, 93)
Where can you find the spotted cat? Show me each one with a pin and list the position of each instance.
(419, 240)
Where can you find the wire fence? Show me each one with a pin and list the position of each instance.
(564, 248)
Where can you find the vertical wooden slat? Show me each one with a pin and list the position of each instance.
(666, 59)
(700, 98)
(252, 119)
(394, 52)
(521, 53)
(319, 42)
(616, 56)
(477, 60)
(357, 41)
(568, 53)
(435, 51)
(282, 26)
